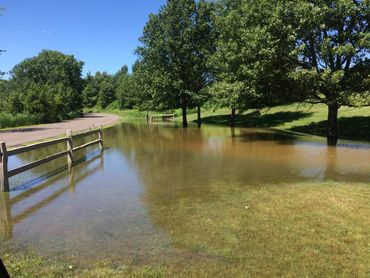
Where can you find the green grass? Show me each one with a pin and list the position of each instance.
(10, 120)
(354, 123)
(317, 229)
(126, 115)
(311, 229)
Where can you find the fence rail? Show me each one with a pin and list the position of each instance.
(5, 173)
(36, 163)
(151, 117)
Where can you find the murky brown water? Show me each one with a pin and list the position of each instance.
(102, 207)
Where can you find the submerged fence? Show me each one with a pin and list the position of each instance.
(5, 173)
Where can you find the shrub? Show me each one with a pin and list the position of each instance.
(10, 120)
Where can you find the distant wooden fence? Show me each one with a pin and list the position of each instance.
(163, 117)
(5, 173)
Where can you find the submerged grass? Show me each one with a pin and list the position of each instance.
(310, 229)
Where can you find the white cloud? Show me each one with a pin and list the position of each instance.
(44, 32)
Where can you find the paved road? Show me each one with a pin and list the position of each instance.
(19, 136)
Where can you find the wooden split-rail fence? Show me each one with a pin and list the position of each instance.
(163, 117)
(5, 173)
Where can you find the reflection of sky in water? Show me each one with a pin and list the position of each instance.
(94, 217)
(102, 207)
(318, 161)
(215, 143)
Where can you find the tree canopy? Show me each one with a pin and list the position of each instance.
(175, 46)
(251, 62)
(282, 51)
(332, 46)
(48, 84)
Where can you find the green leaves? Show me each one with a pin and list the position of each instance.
(252, 57)
(332, 41)
(49, 85)
(173, 57)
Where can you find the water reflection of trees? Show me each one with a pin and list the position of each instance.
(175, 163)
(198, 157)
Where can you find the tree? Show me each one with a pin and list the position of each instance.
(125, 89)
(107, 89)
(90, 92)
(127, 93)
(332, 46)
(99, 90)
(205, 37)
(145, 95)
(175, 46)
(49, 84)
(251, 63)
(4, 94)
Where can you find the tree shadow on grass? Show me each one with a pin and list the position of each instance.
(254, 135)
(255, 119)
(357, 127)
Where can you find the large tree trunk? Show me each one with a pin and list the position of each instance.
(184, 118)
(199, 117)
(233, 114)
(332, 136)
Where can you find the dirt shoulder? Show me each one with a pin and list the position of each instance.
(19, 136)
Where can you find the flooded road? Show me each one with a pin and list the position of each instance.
(111, 205)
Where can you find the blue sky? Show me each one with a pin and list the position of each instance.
(103, 34)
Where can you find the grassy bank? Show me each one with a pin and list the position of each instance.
(126, 115)
(9, 120)
(354, 123)
(310, 229)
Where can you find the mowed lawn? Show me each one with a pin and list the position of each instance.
(354, 123)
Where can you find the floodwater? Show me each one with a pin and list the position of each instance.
(102, 207)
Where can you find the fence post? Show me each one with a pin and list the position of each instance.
(4, 178)
(6, 226)
(72, 185)
(101, 138)
(69, 148)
